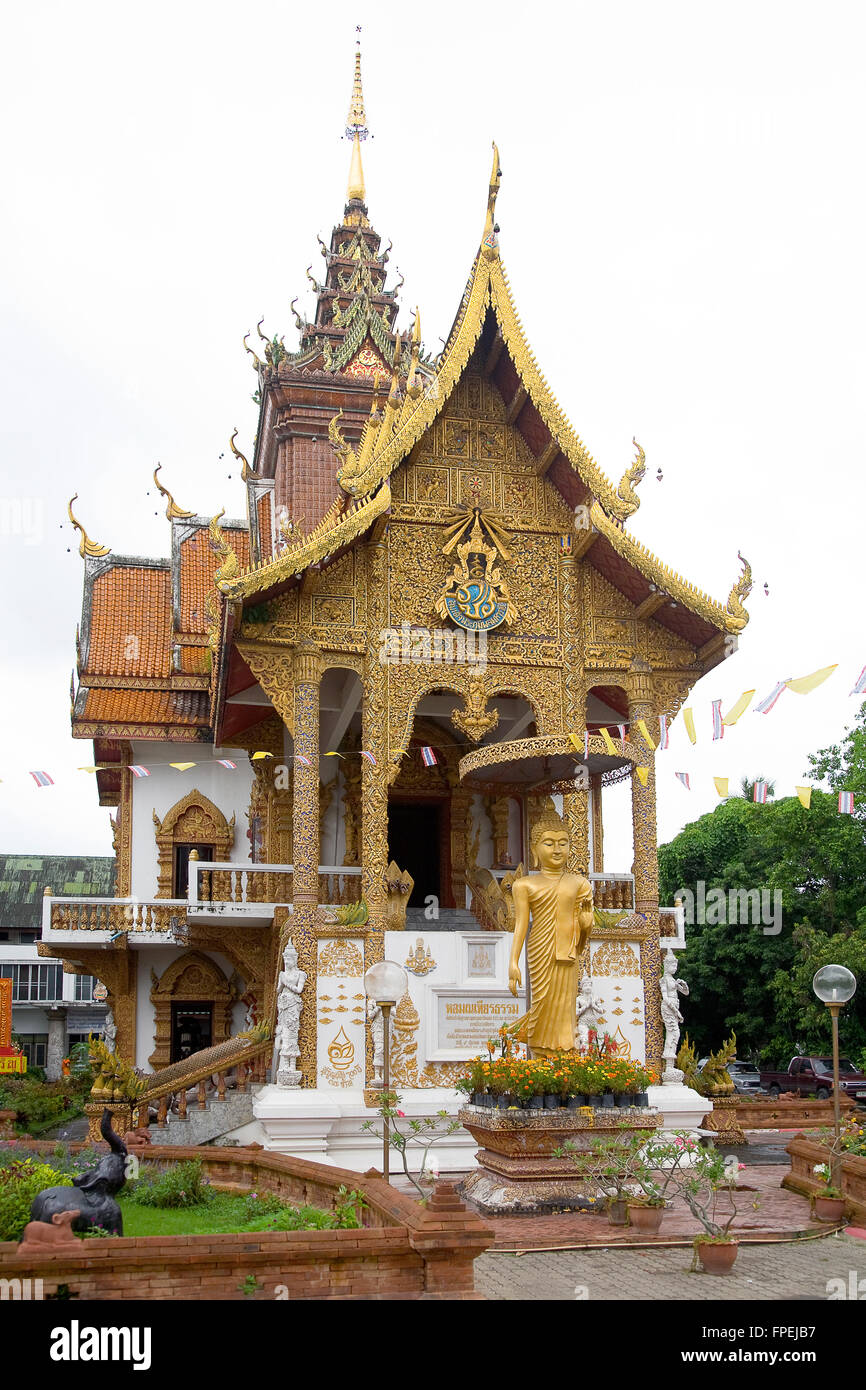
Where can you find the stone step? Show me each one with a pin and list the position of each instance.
(203, 1126)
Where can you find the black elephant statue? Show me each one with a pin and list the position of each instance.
(93, 1192)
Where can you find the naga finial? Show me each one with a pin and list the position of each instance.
(397, 288)
(88, 549)
(317, 288)
(173, 511)
(736, 610)
(388, 251)
(413, 384)
(299, 322)
(264, 337)
(489, 240)
(230, 565)
(258, 361)
(629, 481)
(325, 252)
(246, 472)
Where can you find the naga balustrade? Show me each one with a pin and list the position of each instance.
(267, 884)
(249, 1062)
(613, 891)
(114, 914)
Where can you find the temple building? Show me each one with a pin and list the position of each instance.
(430, 624)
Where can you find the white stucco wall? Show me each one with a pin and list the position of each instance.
(158, 958)
(227, 789)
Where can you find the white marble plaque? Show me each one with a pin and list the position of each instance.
(461, 1021)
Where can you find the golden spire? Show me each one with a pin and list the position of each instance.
(88, 549)
(489, 242)
(173, 511)
(356, 131)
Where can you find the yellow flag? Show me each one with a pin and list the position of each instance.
(739, 708)
(182, 767)
(87, 769)
(609, 743)
(261, 755)
(805, 796)
(642, 775)
(646, 733)
(689, 721)
(575, 743)
(721, 783)
(804, 684)
(333, 755)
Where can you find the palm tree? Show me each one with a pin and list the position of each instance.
(747, 788)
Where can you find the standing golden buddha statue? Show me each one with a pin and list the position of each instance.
(559, 905)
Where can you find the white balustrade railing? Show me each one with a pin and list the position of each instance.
(114, 915)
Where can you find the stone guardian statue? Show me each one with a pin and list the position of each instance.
(290, 987)
(671, 988)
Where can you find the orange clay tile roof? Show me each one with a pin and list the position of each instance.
(146, 707)
(194, 661)
(197, 566)
(130, 622)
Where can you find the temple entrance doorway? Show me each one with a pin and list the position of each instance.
(191, 1028)
(415, 831)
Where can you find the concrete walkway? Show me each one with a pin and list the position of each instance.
(799, 1270)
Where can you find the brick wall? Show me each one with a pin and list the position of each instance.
(405, 1251)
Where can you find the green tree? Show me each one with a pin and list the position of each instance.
(843, 764)
(799, 1014)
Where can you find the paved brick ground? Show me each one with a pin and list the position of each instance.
(762, 1273)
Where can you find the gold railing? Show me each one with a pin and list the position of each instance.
(116, 914)
(248, 1060)
(613, 891)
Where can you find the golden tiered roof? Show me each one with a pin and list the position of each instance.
(390, 435)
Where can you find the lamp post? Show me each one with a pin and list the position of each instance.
(386, 983)
(835, 985)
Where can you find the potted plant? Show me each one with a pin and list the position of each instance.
(829, 1203)
(700, 1176)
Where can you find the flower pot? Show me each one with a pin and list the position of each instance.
(575, 1102)
(617, 1212)
(595, 1101)
(644, 1218)
(536, 1102)
(717, 1256)
(551, 1102)
(608, 1100)
(622, 1101)
(503, 1102)
(830, 1208)
(642, 1100)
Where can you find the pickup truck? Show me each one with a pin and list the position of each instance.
(814, 1076)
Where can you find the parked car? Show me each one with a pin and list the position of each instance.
(745, 1075)
(813, 1076)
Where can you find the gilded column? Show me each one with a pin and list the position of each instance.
(597, 824)
(575, 804)
(374, 770)
(641, 705)
(307, 669)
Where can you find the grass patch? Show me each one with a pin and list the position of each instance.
(225, 1212)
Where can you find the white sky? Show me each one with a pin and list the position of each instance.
(682, 214)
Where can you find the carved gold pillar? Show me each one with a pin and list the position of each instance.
(497, 811)
(575, 805)
(597, 824)
(307, 669)
(461, 820)
(374, 775)
(122, 833)
(641, 705)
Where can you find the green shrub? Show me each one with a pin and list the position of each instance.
(258, 1204)
(181, 1185)
(39, 1104)
(20, 1182)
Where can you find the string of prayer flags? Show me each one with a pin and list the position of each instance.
(759, 793)
(684, 778)
(226, 762)
(663, 732)
(369, 756)
(739, 708)
(256, 756)
(860, 683)
(138, 771)
(428, 757)
(182, 767)
(333, 754)
(302, 759)
(642, 775)
(641, 723)
(718, 726)
(804, 685)
(804, 795)
(42, 779)
(623, 732)
(586, 743)
(608, 742)
(764, 706)
(846, 803)
(88, 769)
(689, 721)
(721, 785)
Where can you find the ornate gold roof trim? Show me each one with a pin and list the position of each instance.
(88, 549)
(329, 536)
(172, 511)
(730, 618)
